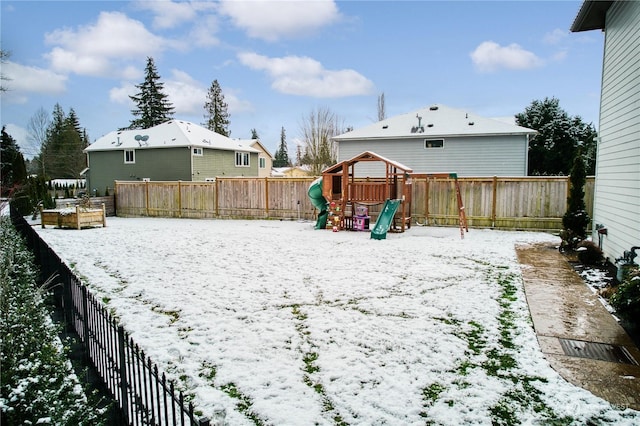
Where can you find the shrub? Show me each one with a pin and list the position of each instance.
(589, 253)
(576, 219)
(626, 299)
(37, 380)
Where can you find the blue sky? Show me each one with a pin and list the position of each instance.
(277, 61)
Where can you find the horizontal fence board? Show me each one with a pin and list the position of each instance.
(523, 203)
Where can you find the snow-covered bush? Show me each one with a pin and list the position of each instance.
(38, 385)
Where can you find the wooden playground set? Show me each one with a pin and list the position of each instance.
(347, 202)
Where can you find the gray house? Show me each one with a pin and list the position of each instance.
(617, 188)
(441, 139)
(172, 151)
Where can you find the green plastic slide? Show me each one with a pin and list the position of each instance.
(379, 231)
(319, 202)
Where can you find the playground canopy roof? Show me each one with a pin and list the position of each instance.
(367, 156)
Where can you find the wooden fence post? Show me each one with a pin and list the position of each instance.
(146, 196)
(266, 196)
(216, 193)
(426, 201)
(494, 201)
(179, 198)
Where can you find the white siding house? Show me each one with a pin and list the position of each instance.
(441, 139)
(617, 183)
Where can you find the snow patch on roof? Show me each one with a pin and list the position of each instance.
(435, 121)
(171, 134)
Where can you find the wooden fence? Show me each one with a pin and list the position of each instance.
(522, 203)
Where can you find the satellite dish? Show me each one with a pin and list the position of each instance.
(138, 137)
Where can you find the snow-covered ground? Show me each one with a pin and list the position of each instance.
(302, 326)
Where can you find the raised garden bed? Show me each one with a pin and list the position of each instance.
(74, 217)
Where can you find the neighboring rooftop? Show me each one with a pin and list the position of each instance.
(435, 121)
(172, 134)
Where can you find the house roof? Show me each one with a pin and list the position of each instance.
(260, 145)
(171, 134)
(281, 171)
(591, 16)
(434, 121)
(366, 156)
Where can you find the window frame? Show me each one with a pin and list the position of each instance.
(242, 159)
(440, 140)
(132, 160)
(262, 163)
(197, 152)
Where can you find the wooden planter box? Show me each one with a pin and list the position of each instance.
(78, 217)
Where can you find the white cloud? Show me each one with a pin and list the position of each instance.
(169, 14)
(120, 95)
(97, 49)
(295, 75)
(22, 80)
(556, 36)
(203, 32)
(272, 20)
(490, 56)
(186, 94)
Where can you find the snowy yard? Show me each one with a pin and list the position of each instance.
(282, 324)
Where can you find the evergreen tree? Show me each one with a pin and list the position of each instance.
(61, 154)
(216, 115)
(152, 104)
(12, 167)
(3, 57)
(282, 154)
(254, 134)
(576, 218)
(559, 135)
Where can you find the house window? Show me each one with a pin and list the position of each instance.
(197, 151)
(129, 156)
(434, 143)
(263, 162)
(242, 159)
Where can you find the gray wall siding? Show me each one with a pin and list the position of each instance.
(467, 156)
(617, 190)
(156, 164)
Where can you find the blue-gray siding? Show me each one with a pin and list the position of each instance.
(467, 156)
(617, 190)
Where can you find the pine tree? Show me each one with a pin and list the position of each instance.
(12, 167)
(254, 134)
(559, 135)
(153, 106)
(576, 218)
(61, 154)
(282, 154)
(216, 115)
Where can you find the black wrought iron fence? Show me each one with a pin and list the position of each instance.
(142, 393)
